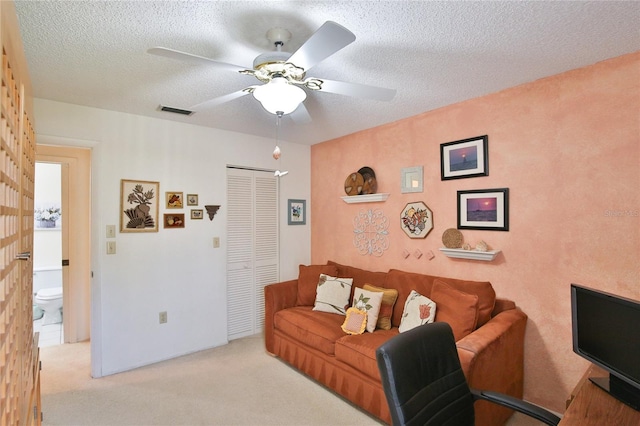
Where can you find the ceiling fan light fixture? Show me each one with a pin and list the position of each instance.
(279, 95)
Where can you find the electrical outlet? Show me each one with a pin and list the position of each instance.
(163, 317)
(111, 231)
(216, 242)
(111, 247)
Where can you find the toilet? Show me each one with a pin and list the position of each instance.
(50, 301)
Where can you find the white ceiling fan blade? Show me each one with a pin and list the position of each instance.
(219, 100)
(326, 41)
(188, 57)
(301, 115)
(357, 90)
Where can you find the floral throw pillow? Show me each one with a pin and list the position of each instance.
(369, 301)
(332, 294)
(418, 310)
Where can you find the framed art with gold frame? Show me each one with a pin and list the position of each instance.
(174, 200)
(139, 205)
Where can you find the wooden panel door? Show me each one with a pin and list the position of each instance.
(19, 365)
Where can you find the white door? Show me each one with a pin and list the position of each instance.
(252, 255)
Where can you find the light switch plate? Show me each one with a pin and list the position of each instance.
(111, 231)
(111, 247)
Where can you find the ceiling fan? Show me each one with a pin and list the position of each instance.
(284, 74)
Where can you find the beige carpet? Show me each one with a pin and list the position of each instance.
(236, 384)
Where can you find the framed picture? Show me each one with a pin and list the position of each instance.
(192, 199)
(297, 212)
(197, 213)
(47, 217)
(139, 205)
(416, 220)
(174, 200)
(486, 209)
(411, 180)
(465, 158)
(174, 220)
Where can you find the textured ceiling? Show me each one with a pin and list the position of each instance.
(93, 53)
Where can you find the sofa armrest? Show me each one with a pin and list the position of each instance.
(492, 356)
(277, 297)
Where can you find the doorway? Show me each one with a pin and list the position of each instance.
(48, 309)
(75, 234)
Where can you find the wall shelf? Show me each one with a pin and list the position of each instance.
(368, 198)
(487, 256)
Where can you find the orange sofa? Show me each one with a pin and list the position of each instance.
(491, 350)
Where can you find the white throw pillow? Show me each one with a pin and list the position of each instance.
(370, 301)
(332, 294)
(418, 310)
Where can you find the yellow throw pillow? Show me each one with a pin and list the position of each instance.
(355, 322)
(389, 297)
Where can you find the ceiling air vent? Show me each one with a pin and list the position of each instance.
(175, 110)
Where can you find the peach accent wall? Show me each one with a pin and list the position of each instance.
(568, 149)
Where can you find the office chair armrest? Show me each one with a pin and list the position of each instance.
(519, 405)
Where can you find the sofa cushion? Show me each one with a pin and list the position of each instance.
(370, 301)
(359, 351)
(389, 297)
(308, 276)
(418, 310)
(485, 292)
(404, 282)
(455, 307)
(320, 330)
(360, 276)
(332, 294)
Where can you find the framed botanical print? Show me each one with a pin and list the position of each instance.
(138, 205)
(297, 212)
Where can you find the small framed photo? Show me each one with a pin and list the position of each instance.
(411, 180)
(192, 199)
(197, 213)
(174, 220)
(464, 158)
(484, 209)
(174, 200)
(297, 212)
(139, 201)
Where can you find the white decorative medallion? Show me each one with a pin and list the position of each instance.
(371, 235)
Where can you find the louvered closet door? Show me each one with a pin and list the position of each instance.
(252, 254)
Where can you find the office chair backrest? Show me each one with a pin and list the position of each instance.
(423, 380)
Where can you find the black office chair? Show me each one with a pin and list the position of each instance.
(424, 383)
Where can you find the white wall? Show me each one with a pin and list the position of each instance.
(173, 270)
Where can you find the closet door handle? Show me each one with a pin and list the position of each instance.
(25, 255)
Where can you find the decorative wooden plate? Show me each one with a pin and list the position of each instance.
(353, 184)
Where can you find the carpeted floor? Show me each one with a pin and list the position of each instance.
(235, 384)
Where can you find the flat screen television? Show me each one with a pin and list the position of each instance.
(606, 331)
